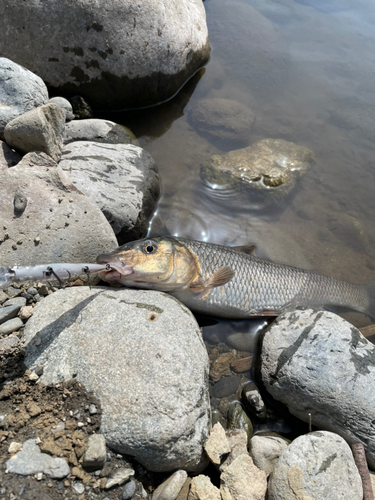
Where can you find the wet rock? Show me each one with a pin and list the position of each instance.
(220, 367)
(243, 480)
(9, 312)
(217, 444)
(30, 460)
(201, 488)
(267, 170)
(81, 108)
(316, 465)
(169, 42)
(57, 212)
(119, 477)
(95, 130)
(65, 106)
(150, 379)
(121, 179)
(8, 157)
(266, 450)
(237, 439)
(170, 488)
(253, 402)
(225, 387)
(95, 454)
(316, 363)
(237, 419)
(10, 326)
(225, 120)
(20, 91)
(40, 129)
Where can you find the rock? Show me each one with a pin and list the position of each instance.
(201, 488)
(225, 120)
(237, 419)
(3, 297)
(217, 444)
(20, 91)
(16, 301)
(129, 490)
(170, 488)
(265, 451)
(220, 367)
(266, 171)
(123, 56)
(237, 439)
(95, 130)
(65, 106)
(120, 477)
(78, 487)
(95, 454)
(121, 179)
(317, 363)
(184, 493)
(242, 480)
(225, 387)
(10, 326)
(69, 226)
(26, 312)
(9, 312)
(155, 404)
(253, 402)
(8, 157)
(8, 343)
(40, 129)
(30, 460)
(14, 447)
(316, 465)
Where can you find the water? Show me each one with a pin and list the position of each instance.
(306, 69)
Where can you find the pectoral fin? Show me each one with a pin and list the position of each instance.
(220, 277)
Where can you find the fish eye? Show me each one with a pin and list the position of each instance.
(148, 247)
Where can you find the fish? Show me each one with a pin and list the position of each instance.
(227, 282)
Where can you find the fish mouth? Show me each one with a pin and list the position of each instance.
(110, 265)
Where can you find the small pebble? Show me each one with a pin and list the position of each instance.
(60, 486)
(14, 447)
(129, 490)
(3, 491)
(39, 476)
(78, 488)
(26, 312)
(33, 377)
(92, 409)
(32, 291)
(10, 326)
(21, 490)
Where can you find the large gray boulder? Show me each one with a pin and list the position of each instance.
(141, 353)
(96, 130)
(124, 55)
(20, 89)
(318, 465)
(318, 364)
(55, 222)
(122, 179)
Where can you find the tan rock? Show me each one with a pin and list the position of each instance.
(26, 312)
(237, 439)
(220, 367)
(202, 489)
(217, 444)
(14, 447)
(242, 480)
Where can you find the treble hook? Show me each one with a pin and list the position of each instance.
(51, 271)
(86, 270)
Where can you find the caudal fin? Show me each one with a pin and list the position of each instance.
(370, 290)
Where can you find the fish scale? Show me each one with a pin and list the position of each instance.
(259, 286)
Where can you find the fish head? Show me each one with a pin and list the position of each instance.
(156, 263)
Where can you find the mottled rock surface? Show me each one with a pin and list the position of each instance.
(126, 55)
(201, 488)
(59, 223)
(170, 488)
(96, 130)
(8, 157)
(242, 480)
(316, 465)
(20, 89)
(265, 451)
(40, 129)
(65, 105)
(142, 355)
(217, 444)
(122, 179)
(317, 363)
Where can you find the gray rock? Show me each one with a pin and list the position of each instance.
(78, 487)
(243, 480)
(20, 91)
(16, 301)
(129, 490)
(226, 120)
(95, 454)
(3, 297)
(95, 130)
(8, 157)
(12, 291)
(125, 55)
(40, 129)
(225, 387)
(10, 326)
(121, 179)
(9, 312)
(59, 224)
(119, 477)
(170, 488)
(30, 460)
(253, 401)
(265, 451)
(8, 343)
(317, 363)
(65, 106)
(130, 348)
(265, 171)
(316, 465)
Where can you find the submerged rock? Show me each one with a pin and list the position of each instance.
(20, 89)
(318, 364)
(265, 171)
(238, 419)
(316, 465)
(126, 55)
(121, 179)
(142, 355)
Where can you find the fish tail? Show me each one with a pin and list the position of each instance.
(370, 290)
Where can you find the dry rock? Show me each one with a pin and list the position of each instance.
(242, 480)
(170, 489)
(266, 450)
(201, 488)
(95, 130)
(95, 454)
(237, 439)
(217, 444)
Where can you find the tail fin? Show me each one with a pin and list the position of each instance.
(370, 290)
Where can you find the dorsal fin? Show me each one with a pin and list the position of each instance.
(219, 278)
(249, 249)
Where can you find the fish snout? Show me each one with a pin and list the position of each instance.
(105, 258)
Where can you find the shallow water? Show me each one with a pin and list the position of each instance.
(306, 69)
